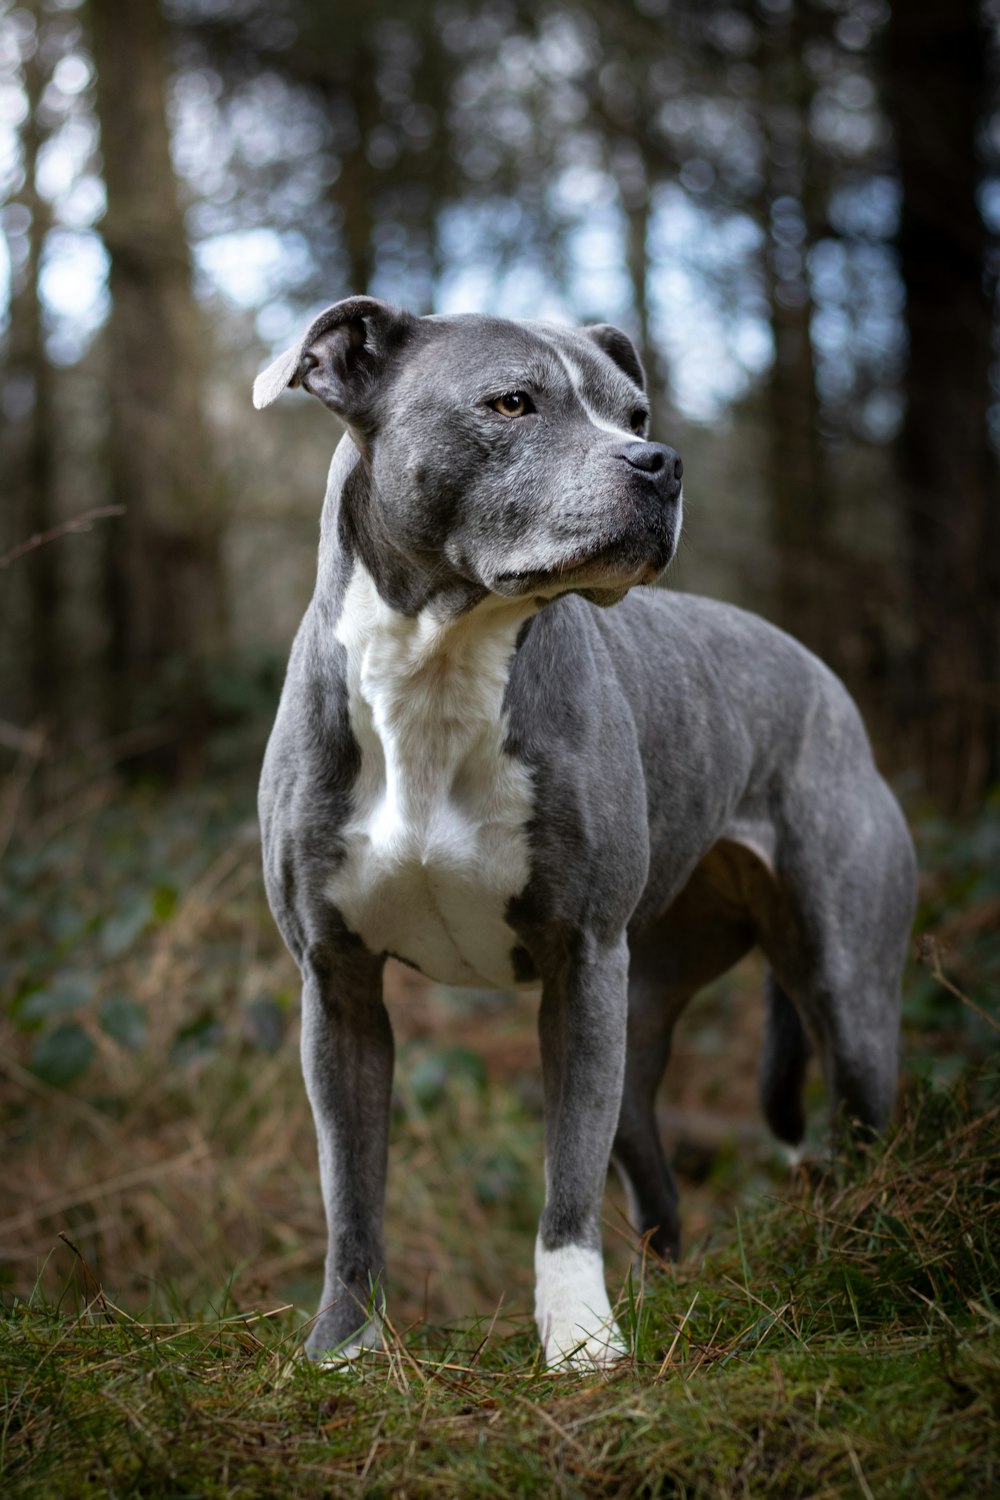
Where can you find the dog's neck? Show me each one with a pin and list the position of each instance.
(451, 670)
(350, 533)
(441, 667)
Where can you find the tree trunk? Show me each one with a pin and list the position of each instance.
(353, 191)
(165, 576)
(29, 441)
(801, 497)
(934, 71)
(635, 203)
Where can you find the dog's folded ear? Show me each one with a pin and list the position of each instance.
(619, 347)
(340, 356)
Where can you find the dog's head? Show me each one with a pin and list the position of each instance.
(497, 457)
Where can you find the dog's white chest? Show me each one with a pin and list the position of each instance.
(436, 844)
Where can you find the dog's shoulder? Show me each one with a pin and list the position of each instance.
(311, 756)
(710, 637)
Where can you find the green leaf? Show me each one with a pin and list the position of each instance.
(124, 1021)
(66, 992)
(264, 1023)
(63, 1055)
(199, 1038)
(164, 903)
(120, 931)
(432, 1074)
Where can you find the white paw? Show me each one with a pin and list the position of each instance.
(575, 1322)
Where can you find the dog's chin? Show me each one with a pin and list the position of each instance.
(601, 580)
(605, 597)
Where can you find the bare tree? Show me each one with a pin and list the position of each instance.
(935, 84)
(802, 501)
(165, 578)
(29, 439)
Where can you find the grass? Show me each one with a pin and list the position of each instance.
(846, 1342)
(827, 1333)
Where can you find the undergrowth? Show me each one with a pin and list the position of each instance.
(844, 1340)
(161, 1240)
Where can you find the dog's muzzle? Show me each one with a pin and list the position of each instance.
(629, 542)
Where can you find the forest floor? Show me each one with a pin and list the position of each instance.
(825, 1333)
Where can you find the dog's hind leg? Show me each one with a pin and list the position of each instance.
(852, 1023)
(637, 1152)
(840, 957)
(700, 936)
(860, 1052)
(784, 1059)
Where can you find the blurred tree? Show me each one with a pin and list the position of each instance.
(794, 184)
(935, 76)
(166, 595)
(29, 437)
(378, 80)
(716, 175)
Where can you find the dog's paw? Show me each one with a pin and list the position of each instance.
(369, 1337)
(576, 1353)
(575, 1322)
(328, 1347)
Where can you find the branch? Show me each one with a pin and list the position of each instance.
(928, 951)
(78, 523)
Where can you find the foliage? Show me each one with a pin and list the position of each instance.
(948, 1014)
(782, 202)
(846, 1340)
(827, 1336)
(109, 892)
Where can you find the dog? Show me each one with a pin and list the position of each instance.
(482, 768)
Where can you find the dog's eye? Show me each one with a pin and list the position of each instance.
(513, 404)
(637, 421)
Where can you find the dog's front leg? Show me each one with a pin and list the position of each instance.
(347, 1060)
(582, 1027)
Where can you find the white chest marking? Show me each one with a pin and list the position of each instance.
(436, 844)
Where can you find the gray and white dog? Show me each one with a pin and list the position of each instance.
(481, 770)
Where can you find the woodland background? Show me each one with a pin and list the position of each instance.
(793, 206)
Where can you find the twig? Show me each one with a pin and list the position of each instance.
(92, 1285)
(66, 528)
(27, 1080)
(29, 742)
(117, 1184)
(376, 1437)
(31, 747)
(859, 1475)
(929, 952)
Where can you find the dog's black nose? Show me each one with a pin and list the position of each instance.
(655, 459)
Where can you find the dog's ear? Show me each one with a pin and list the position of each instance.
(340, 356)
(619, 347)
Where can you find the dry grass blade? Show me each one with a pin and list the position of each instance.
(844, 1335)
(676, 1338)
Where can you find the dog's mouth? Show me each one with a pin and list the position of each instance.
(608, 568)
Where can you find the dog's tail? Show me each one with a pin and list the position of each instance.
(783, 1062)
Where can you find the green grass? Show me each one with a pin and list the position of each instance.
(846, 1341)
(832, 1332)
